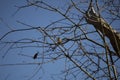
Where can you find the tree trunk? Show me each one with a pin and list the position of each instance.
(101, 25)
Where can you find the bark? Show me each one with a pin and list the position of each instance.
(101, 25)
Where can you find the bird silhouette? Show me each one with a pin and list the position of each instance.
(35, 55)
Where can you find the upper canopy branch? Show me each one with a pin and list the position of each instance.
(100, 24)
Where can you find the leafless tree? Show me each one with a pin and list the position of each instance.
(86, 38)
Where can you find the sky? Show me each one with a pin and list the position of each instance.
(8, 21)
(36, 17)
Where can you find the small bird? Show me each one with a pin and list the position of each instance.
(59, 41)
(35, 55)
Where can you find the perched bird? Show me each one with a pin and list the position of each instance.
(35, 55)
(59, 41)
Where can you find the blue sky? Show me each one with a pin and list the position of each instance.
(36, 17)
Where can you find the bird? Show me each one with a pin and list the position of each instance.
(59, 41)
(35, 55)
